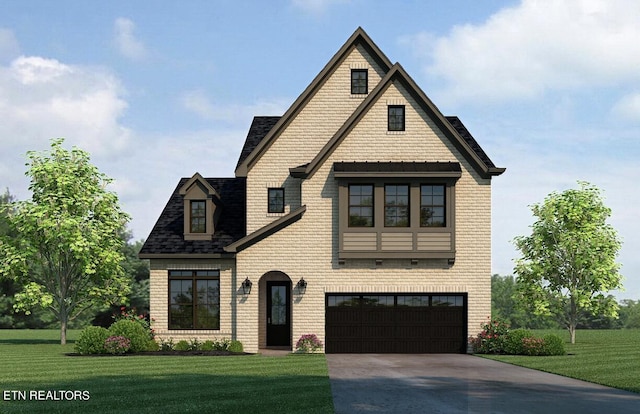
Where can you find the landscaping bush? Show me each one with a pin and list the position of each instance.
(182, 345)
(491, 339)
(152, 346)
(132, 315)
(553, 345)
(91, 340)
(308, 343)
(133, 331)
(207, 345)
(532, 346)
(235, 346)
(513, 341)
(166, 345)
(117, 345)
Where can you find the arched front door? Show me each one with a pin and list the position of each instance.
(278, 313)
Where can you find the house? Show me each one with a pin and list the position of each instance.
(362, 215)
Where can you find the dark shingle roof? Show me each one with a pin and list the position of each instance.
(167, 236)
(259, 128)
(466, 135)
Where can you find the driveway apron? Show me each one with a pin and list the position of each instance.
(448, 383)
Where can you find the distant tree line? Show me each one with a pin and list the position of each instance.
(505, 305)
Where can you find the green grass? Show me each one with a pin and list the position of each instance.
(607, 357)
(34, 360)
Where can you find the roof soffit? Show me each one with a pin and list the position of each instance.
(358, 37)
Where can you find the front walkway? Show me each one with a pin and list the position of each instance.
(448, 383)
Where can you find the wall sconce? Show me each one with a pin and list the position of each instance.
(246, 286)
(302, 286)
(451, 262)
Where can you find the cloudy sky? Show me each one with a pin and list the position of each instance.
(159, 90)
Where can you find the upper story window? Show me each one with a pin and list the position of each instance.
(198, 216)
(396, 205)
(359, 81)
(276, 200)
(361, 205)
(432, 206)
(194, 299)
(395, 119)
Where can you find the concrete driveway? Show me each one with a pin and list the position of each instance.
(445, 383)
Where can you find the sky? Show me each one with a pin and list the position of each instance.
(158, 90)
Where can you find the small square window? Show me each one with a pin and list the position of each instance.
(395, 118)
(359, 81)
(276, 200)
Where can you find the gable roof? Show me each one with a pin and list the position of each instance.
(260, 127)
(167, 236)
(359, 37)
(452, 128)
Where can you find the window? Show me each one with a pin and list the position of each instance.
(396, 118)
(359, 81)
(432, 206)
(194, 299)
(396, 206)
(361, 206)
(198, 217)
(276, 200)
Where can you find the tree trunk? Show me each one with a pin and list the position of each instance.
(572, 333)
(64, 317)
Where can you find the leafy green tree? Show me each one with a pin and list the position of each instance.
(67, 255)
(630, 313)
(504, 306)
(569, 260)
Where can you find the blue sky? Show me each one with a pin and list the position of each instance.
(159, 90)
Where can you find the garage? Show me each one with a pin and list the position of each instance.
(396, 323)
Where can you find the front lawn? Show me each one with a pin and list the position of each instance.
(35, 361)
(607, 357)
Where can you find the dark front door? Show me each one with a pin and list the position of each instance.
(278, 314)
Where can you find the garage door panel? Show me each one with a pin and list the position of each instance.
(396, 323)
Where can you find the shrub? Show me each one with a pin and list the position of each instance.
(133, 331)
(533, 346)
(235, 346)
(207, 345)
(182, 345)
(308, 343)
(167, 345)
(132, 315)
(152, 346)
(491, 339)
(553, 345)
(512, 343)
(117, 345)
(91, 340)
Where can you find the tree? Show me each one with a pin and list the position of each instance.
(504, 306)
(568, 261)
(67, 255)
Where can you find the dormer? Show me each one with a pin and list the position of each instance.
(201, 208)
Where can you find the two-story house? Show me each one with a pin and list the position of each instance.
(363, 215)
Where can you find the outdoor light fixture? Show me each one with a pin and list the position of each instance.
(246, 286)
(302, 286)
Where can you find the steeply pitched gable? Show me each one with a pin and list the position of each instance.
(451, 127)
(359, 37)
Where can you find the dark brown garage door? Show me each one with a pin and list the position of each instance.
(399, 323)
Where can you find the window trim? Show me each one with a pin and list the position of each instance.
(269, 192)
(193, 277)
(366, 82)
(396, 128)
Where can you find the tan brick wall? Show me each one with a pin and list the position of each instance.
(323, 115)
(308, 248)
(159, 292)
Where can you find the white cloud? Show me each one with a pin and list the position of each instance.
(126, 42)
(628, 107)
(197, 102)
(524, 51)
(42, 99)
(316, 7)
(9, 47)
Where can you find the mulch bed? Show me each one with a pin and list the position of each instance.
(162, 353)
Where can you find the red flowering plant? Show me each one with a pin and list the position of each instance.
(117, 345)
(133, 315)
(308, 343)
(491, 339)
